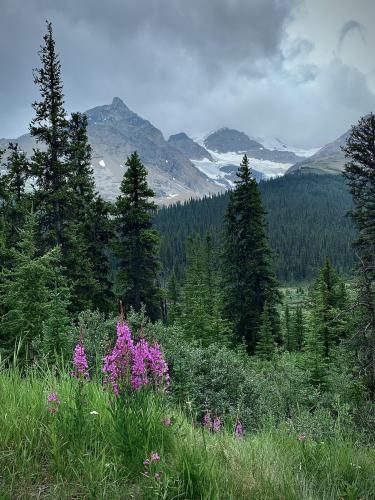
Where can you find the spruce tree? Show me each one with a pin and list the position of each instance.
(173, 298)
(360, 175)
(50, 129)
(17, 171)
(329, 307)
(314, 358)
(80, 179)
(16, 202)
(297, 327)
(201, 302)
(136, 241)
(265, 347)
(26, 291)
(249, 279)
(289, 340)
(99, 233)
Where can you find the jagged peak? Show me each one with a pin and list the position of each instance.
(118, 103)
(180, 135)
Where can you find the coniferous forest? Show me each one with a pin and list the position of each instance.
(218, 349)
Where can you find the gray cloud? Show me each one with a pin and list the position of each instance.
(184, 65)
(348, 27)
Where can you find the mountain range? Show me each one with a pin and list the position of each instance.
(181, 167)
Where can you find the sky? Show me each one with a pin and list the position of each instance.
(299, 70)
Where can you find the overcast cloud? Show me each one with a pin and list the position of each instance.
(302, 70)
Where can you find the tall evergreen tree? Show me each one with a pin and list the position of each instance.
(80, 178)
(360, 175)
(249, 278)
(298, 327)
(265, 347)
(288, 334)
(173, 298)
(201, 303)
(137, 242)
(17, 171)
(99, 233)
(314, 352)
(50, 128)
(14, 202)
(329, 307)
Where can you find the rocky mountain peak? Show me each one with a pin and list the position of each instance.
(119, 104)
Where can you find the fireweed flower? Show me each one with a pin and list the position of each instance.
(207, 423)
(155, 457)
(132, 365)
(216, 425)
(158, 365)
(117, 365)
(238, 430)
(53, 402)
(80, 362)
(52, 396)
(141, 356)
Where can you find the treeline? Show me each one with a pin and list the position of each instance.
(307, 223)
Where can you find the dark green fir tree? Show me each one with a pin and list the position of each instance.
(136, 245)
(360, 175)
(15, 202)
(265, 347)
(249, 278)
(297, 327)
(50, 129)
(26, 292)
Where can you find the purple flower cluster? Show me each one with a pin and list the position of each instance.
(238, 430)
(117, 365)
(154, 457)
(80, 362)
(53, 402)
(211, 425)
(134, 364)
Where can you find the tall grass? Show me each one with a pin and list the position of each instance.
(76, 453)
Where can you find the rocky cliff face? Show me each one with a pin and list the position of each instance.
(329, 159)
(188, 147)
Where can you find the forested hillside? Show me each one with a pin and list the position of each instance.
(306, 218)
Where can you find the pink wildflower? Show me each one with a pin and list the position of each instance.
(146, 462)
(80, 362)
(238, 430)
(158, 365)
(132, 364)
(155, 457)
(301, 437)
(117, 365)
(139, 369)
(167, 421)
(53, 402)
(52, 396)
(216, 426)
(207, 423)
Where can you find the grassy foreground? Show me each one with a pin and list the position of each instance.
(93, 447)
